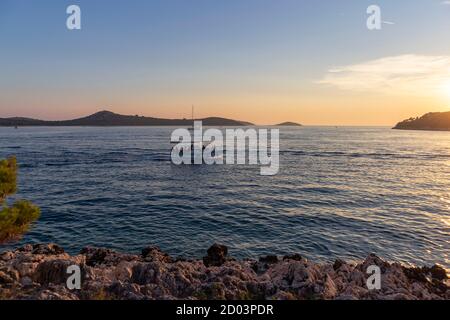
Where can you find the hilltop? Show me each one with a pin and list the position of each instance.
(438, 121)
(289, 124)
(108, 118)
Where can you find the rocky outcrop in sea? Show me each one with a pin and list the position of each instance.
(40, 272)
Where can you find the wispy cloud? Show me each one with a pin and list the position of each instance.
(446, 2)
(412, 74)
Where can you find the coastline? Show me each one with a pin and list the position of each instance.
(432, 121)
(39, 272)
(422, 129)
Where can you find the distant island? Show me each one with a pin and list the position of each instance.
(107, 118)
(289, 124)
(437, 121)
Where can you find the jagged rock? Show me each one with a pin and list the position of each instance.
(123, 271)
(102, 256)
(25, 269)
(26, 248)
(283, 295)
(346, 297)
(372, 260)
(10, 272)
(338, 264)
(217, 255)
(5, 278)
(265, 263)
(437, 272)
(54, 293)
(295, 257)
(143, 273)
(96, 256)
(153, 253)
(5, 256)
(212, 291)
(128, 291)
(329, 291)
(26, 282)
(40, 272)
(53, 271)
(47, 249)
(415, 274)
(269, 259)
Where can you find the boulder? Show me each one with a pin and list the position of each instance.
(217, 256)
(153, 253)
(52, 271)
(96, 256)
(295, 257)
(437, 272)
(269, 259)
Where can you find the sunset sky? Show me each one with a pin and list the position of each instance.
(264, 61)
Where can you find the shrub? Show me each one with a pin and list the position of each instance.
(8, 172)
(14, 220)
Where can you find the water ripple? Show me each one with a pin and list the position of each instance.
(340, 193)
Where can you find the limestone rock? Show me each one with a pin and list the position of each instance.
(217, 255)
(40, 272)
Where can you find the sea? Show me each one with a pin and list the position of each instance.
(341, 192)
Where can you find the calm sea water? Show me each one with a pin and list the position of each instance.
(340, 192)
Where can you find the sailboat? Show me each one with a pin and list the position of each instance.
(191, 130)
(193, 121)
(193, 143)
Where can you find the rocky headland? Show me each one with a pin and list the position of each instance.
(434, 121)
(40, 272)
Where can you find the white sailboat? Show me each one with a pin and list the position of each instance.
(192, 147)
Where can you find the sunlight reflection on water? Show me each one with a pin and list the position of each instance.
(341, 192)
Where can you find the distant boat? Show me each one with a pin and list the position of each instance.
(193, 143)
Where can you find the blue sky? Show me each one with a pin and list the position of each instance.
(249, 59)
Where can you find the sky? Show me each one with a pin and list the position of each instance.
(265, 61)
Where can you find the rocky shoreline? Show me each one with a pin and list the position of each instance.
(39, 272)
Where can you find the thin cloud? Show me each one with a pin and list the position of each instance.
(447, 2)
(411, 74)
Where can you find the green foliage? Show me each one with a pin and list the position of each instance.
(8, 173)
(14, 220)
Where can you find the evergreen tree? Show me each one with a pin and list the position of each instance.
(14, 220)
